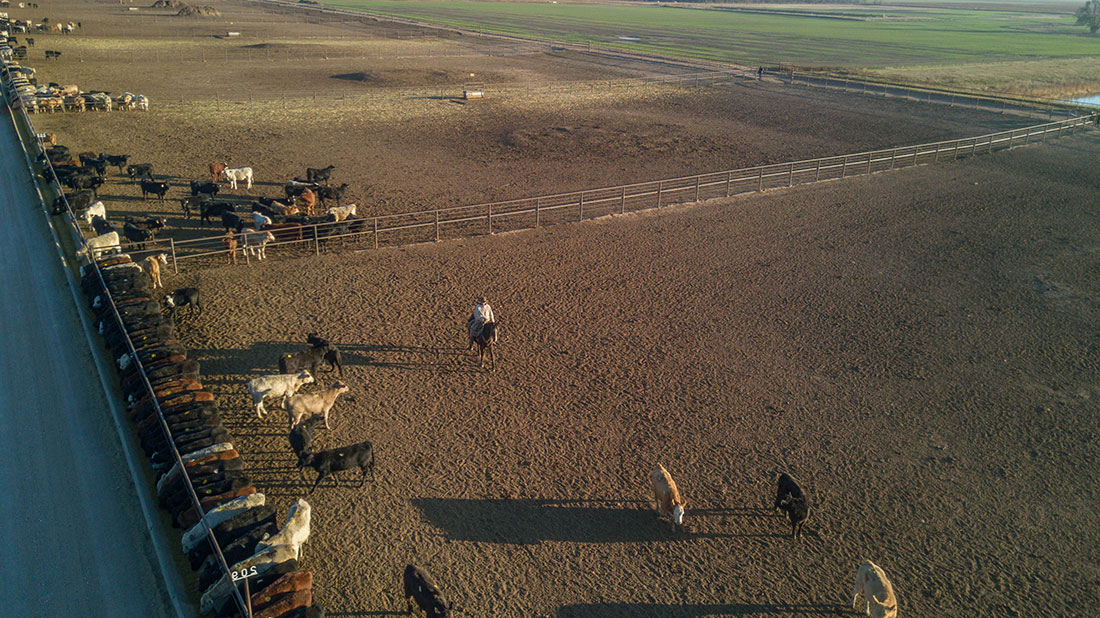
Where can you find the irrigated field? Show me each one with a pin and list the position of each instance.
(919, 347)
(881, 40)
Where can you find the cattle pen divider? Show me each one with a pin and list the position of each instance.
(243, 602)
(539, 211)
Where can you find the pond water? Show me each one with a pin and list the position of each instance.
(1092, 100)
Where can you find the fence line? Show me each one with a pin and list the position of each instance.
(533, 212)
(242, 601)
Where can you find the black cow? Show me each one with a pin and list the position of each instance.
(792, 500)
(295, 188)
(420, 587)
(136, 234)
(183, 297)
(204, 187)
(82, 181)
(214, 209)
(232, 221)
(331, 461)
(140, 170)
(319, 175)
(261, 517)
(193, 202)
(96, 164)
(158, 189)
(311, 359)
(117, 160)
(78, 200)
(325, 192)
(102, 226)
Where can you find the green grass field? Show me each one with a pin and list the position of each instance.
(869, 38)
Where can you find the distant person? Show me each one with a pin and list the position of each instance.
(760, 73)
(482, 315)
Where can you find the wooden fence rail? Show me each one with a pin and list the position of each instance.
(533, 212)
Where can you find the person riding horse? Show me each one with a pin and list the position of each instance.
(482, 315)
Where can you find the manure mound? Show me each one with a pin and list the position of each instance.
(167, 4)
(198, 11)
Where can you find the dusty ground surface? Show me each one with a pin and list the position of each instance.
(920, 348)
(389, 120)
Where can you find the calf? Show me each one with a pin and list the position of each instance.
(230, 241)
(158, 189)
(183, 297)
(667, 496)
(205, 188)
(294, 188)
(420, 588)
(331, 461)
(211, 209)
(296, 531)
(307, 404)
(319, 175)
(276, 386)
(116, 160)
(216, 170)
(101, 225)
(137, 235)
(140, 170)
(256, 242)
(325, 192)
(311, 359)
(877, 591)
(96, 209)
(152, 266)
(339, 213)
(237, 174)
(792, 500)
(194, 202)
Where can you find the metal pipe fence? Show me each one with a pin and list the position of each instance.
(242, 603)
(533, 212)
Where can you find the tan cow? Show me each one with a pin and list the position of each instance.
(230, 240)
(877, 591)
(667, 496)
(152, 267)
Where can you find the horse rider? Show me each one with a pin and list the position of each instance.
(482, 315)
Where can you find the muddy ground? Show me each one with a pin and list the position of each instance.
(920, 348)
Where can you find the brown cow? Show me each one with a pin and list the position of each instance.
(230, 240)
(216, 170)
(667, 496)
(307, 200)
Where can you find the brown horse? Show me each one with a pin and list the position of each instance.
(490, 332)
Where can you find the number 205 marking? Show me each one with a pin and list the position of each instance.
(244, 573)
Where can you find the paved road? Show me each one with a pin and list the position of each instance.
(74, 540)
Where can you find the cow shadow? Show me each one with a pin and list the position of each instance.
(697, 610)
(259, 359)
(532, 521)
(435, 358)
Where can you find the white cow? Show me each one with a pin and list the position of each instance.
(877, 591)
(296, 531)
(95, 209)
(342, 212)
(256, 242)
(260, 219)
(217, 515)
(259, 564)
(101, 244)
(276, 386)
(142, 102)
(239, 173)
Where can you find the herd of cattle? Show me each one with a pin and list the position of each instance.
(52, 97)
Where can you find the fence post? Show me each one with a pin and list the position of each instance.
(376, 232)
(729, 179)
(1027, 138)
(538, 203)
(660, 188)
(581, 207)
(316, 241)
(790, 176)
(893, 155)
(870, 157)
(172, 247)
(489, 218)
(437, 225)
(936, 157)
(760, 179)
(696, 188)
(955, 155)
(844, 167)
(991, 144)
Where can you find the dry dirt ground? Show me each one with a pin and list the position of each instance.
(920, 348)
(396, 131)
